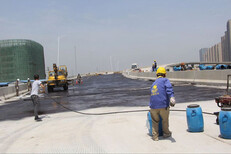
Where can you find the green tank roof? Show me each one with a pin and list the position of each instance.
(21, 59)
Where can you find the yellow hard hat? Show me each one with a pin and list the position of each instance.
(161, 70)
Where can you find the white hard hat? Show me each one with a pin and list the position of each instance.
(18, 79)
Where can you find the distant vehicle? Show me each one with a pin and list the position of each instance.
(57, 78)
(134, 67)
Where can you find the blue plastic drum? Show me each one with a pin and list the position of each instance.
(194, 118)
(225, 123)
(149, 125)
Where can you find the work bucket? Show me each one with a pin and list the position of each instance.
(225, 122)
(194, 118)
(149, 125)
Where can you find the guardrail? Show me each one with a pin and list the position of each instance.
(10, 91)
(190, 76)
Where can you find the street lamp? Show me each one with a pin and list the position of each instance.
(58, 49)
(75, 62)
(58, 52)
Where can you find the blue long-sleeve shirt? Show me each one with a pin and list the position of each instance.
(161, 92)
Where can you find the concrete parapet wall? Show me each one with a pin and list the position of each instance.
(10, 91)
(194, 76)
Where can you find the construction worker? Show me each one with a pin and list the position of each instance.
(17, 87)
(79, 78)
(34, 95)
(28, 84)
(154, 66)
(162, 96)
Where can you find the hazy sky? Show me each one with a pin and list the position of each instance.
(120, 31)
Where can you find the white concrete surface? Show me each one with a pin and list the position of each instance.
(119, 133)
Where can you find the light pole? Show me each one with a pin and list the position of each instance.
(111, 63)
(75, 62)
(59, 37)
(58, 52)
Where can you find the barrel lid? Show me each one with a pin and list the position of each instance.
(193, 106)
(226, 108)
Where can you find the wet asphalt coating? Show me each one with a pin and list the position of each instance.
(102, 91)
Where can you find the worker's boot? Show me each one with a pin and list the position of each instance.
(155, 138)
(167, 135)
(37, 118)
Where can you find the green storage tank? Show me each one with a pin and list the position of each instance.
(21, 59)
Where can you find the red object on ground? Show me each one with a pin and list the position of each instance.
(223, 101)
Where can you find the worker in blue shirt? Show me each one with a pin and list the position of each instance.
(162, 96)
(154, 65)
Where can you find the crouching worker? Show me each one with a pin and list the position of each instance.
(162, 96)
(34, 95)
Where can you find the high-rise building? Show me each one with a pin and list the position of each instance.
(220, 52)
(224, 46)
(229, 39)
(202, 54)
(21, 59)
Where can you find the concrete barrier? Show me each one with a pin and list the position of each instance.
(10, 91)
(193, 76)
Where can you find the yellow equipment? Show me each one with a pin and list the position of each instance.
(57, 78)
(161, 70)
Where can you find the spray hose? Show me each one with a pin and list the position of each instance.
(114, 112)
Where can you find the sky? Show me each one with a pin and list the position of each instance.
(110, 35)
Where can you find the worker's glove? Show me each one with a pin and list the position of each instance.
(172, 101)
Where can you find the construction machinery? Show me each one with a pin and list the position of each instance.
(223, 101)
(57, 78)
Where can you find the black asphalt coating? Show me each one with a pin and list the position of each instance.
(102, 91)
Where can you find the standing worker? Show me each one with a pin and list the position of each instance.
(162, 96)
(79, 79)
(28, 84)
(17, 87)
(154, 66)
(34, 95)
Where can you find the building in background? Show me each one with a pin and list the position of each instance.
(220, 52)
(21, 59)
(229, 39)
(202, 52)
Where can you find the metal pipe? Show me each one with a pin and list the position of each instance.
(227, 90)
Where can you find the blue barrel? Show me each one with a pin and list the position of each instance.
(225, 122)
(194, 118)
(149, 125)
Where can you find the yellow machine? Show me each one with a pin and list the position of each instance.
(57, 78)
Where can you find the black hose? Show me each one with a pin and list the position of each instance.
(185, 110)
(115, 112)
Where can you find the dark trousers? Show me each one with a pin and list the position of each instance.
(17, 91)
(164, 113)
(35, 100)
